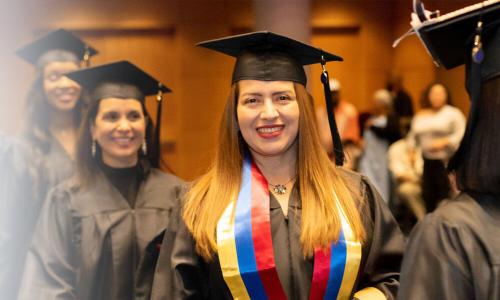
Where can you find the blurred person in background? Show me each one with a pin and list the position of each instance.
(406, 167)
(402, 104)
(437, 130)
(381, 130)
(43, 153)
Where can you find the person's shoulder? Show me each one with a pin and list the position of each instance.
(160, 176)
(64, 191)
(453, 221)
(15, 145)
(358, 184)
(452, 110)
(463, 212)
(352, 179)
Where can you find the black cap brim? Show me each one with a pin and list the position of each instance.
(118, 72)
(236, 44)
(57, 39)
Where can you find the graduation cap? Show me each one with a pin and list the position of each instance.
(469, 36)
(267, 56)
(447, 37)
(123, 79)
(61, 40)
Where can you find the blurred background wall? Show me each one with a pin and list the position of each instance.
(160, 36)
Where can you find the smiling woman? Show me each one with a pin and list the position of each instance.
(274, 218)
(100, 232)
(43, 154)
(268, 117)
(119, 129)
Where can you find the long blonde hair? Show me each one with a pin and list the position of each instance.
(318, 179)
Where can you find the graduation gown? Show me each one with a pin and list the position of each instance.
(381, 254)
(90, 243)
(25, 177)
(454, 253)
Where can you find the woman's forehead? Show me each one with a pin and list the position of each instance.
(250, 85)
(120, 104)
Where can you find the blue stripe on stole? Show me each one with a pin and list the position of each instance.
(243, 237)
(338, 254)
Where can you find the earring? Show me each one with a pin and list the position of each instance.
(93, 148)
(144, 147)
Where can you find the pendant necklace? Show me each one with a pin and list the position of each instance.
(280, 189)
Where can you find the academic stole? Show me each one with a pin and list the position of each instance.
(246, 255)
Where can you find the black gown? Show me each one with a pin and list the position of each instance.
(26, 175)
(90, 243)
(381, 254)
(454, 253)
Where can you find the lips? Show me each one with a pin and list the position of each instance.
(270, 131)
(65, 96)
(123, 141)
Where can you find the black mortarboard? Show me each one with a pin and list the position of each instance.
(447, 37)
(56, 40)
(123, 80)
(268, 56)
(469, 36)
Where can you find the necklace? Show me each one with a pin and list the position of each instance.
(280, 189)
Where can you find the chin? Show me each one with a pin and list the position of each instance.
(271, 151)
(65, 106)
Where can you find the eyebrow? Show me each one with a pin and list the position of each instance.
(274, 93)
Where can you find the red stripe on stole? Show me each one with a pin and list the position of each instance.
(262, 238)
(322, 259)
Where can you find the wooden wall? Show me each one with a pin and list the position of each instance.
(159, 36)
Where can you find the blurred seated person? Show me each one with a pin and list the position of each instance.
(346, 116)
(406, 167)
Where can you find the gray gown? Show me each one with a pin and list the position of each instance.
(193, 278)
(454, 253)
(25, 177)
(91, 244)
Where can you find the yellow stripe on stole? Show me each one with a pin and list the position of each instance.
(228, 259)
(353, 257)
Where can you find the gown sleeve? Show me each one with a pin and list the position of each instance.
(187, 267)
(434, 266)
(50, 269)
(19, 207)
(383, 250)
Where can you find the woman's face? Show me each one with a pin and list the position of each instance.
(268, 116)
(437, 96)
(62, 93)
(119, 129)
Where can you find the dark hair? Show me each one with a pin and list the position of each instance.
(478, 169)
(37, 120)
(88, 165)
(425, 101)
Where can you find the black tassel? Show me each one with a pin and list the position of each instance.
(156, 155)
(337, 142)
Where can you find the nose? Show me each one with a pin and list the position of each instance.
(269, 110)
(123, 125)
(66, 83)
